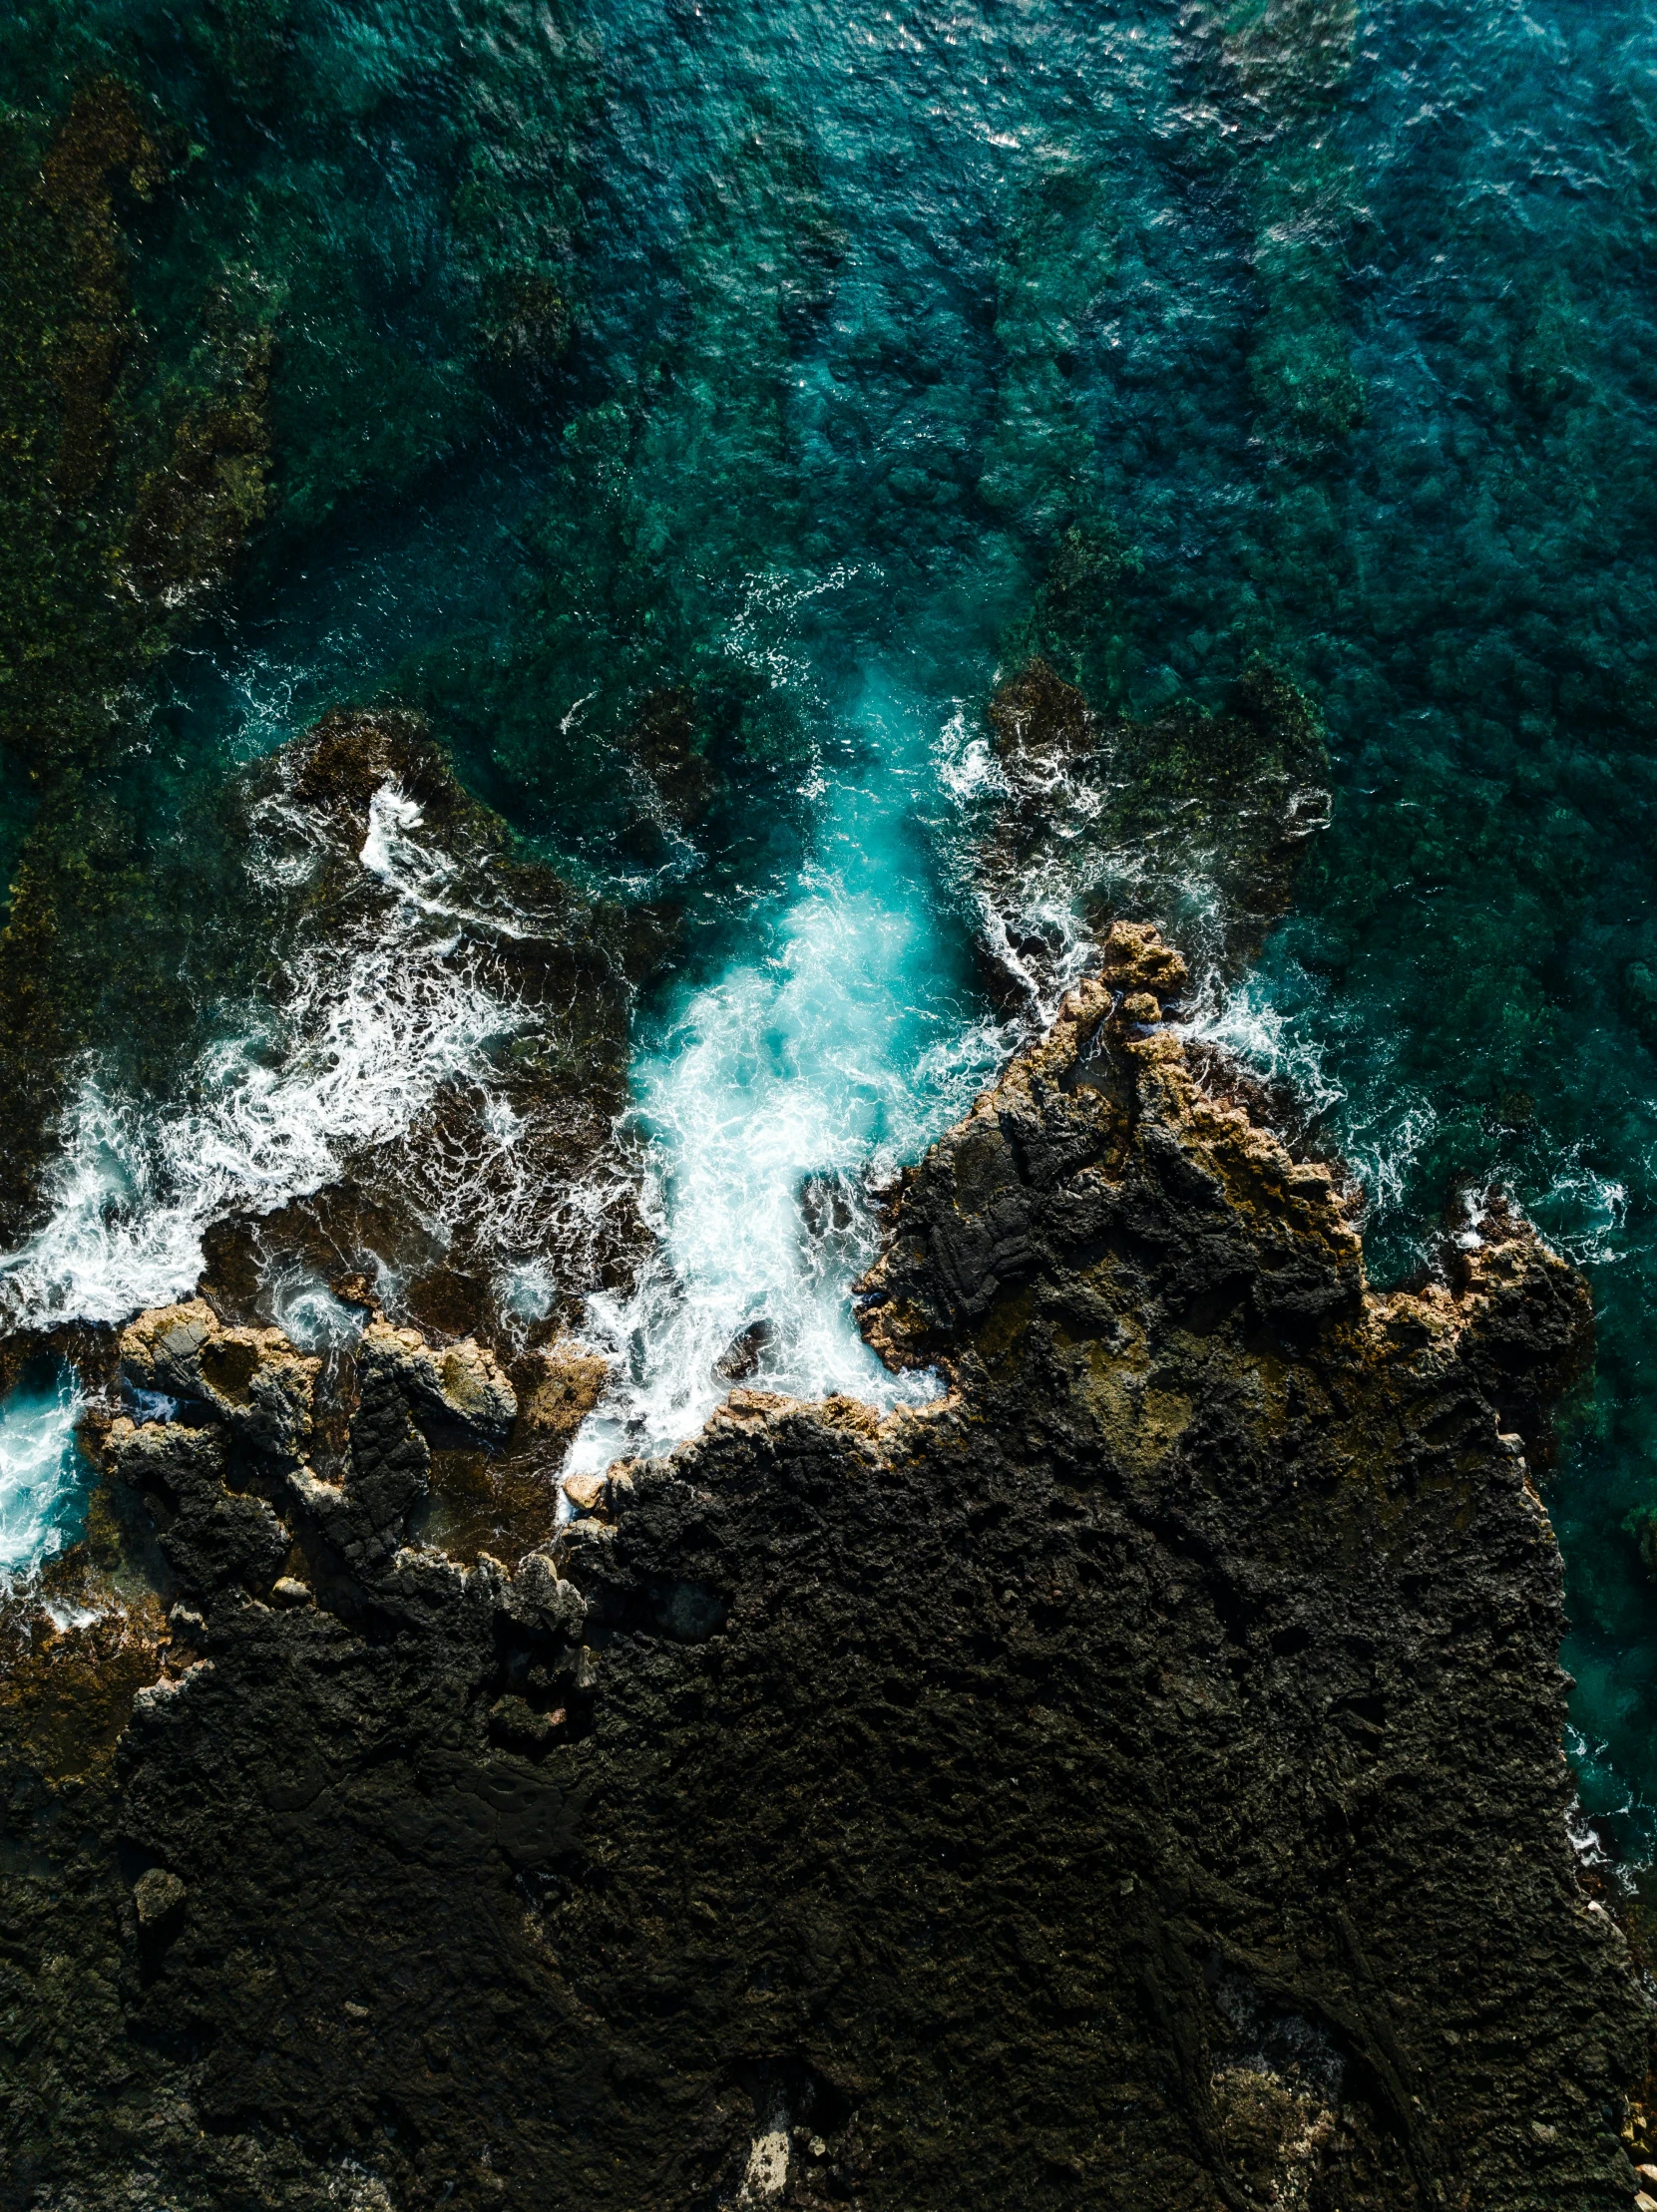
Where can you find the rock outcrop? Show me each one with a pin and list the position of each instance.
(251, 1380)
(462, 1383)
(1133, 1781)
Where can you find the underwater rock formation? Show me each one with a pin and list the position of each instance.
(128, 491)
(1182, 813)
(1133, 1781)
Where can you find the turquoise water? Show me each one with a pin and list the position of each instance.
(42, 1490)
(812, 1068)
(767, 359)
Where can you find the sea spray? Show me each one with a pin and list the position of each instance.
(371, 1028)
(775, 1101)
(1271, 1026)
(41, 1476)
(391, 1002)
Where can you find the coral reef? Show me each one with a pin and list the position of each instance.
(1133, 1780)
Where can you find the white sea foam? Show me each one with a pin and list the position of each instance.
(1614, 1800)
(965, 760)
(1041, 878)
(40, 1475)
(763, 633)
(771, 1101)
(380, 1014)
(1583, 1212)
(1280, 1024)
(1246, 1022)
(1381, 1131)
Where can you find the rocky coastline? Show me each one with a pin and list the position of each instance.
(1134, 1780)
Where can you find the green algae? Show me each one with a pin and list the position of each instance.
(1289, 61)
(1078, 620)
(1058, 253)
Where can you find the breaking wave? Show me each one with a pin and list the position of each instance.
(386, 1007)
(40, 1475)
(774, 1104)
(1277, 1025)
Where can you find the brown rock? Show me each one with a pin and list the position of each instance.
(587, 1493)
(462, 1382)
(157, 1896)
(252, 1379)
(558, 1386)
(1132, 1779)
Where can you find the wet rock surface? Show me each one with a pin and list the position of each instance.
(1134, 1781)
(381, 858)
(1093, 814)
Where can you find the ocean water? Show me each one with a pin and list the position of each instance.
(777, 1098)
(42, 1499)
(751, 374)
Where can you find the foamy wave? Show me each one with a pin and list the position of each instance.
(1582, 1211)
(1042, 879)
(1614, 1801)
(1382, 1133)
(1384, 1128)
(966, 761)
(422, 873)
(762, 633)
(1036, 926)
(40, 1476)
(380, 1017)
(772, 1106)
(1247, 1023)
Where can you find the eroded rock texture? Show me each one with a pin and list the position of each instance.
(1134, 1782)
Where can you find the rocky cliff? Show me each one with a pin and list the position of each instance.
(1133, 1783)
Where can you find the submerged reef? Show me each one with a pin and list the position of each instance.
(1183, 813)
(1133, 1779)
(126, 488)
(129, 483)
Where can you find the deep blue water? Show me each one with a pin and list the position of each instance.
(1330, 329)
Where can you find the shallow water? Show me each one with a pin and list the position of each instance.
(42, 1502)
(1328, 331)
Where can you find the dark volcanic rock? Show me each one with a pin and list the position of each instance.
(1134, 1782)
